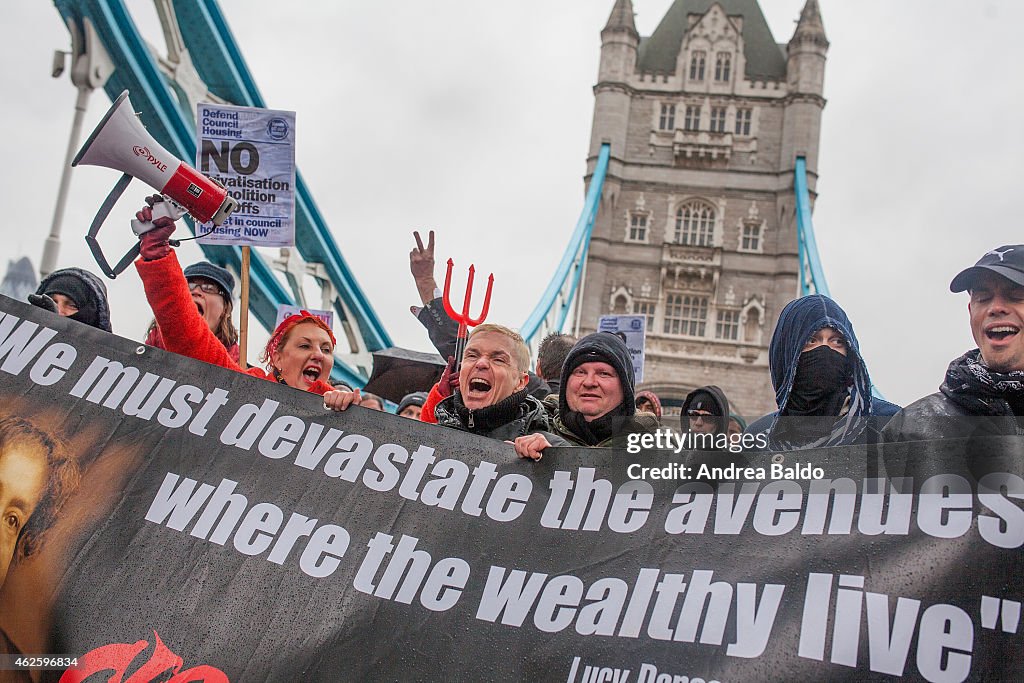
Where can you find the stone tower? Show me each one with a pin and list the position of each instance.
(696, 227)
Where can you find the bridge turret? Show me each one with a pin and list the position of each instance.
(805, 76)
(619, 41)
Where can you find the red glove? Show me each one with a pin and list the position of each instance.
(154, 244)
(449, 381)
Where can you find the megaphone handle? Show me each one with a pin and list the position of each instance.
(97, 223)
(165, 209)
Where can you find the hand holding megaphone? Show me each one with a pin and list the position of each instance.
(153, 215)
(122, 143)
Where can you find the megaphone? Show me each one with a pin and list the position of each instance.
(121, 142)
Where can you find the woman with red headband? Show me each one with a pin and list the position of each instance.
(300, 352)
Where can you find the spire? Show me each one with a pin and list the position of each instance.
(621, 18)
(810, 26)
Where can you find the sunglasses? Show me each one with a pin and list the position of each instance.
(205, 287)
(700, 413)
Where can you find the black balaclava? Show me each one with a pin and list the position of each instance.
(822, 383)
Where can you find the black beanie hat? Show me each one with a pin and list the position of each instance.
(85, 289)
(416, 398)
(703, 400)
(603, 347)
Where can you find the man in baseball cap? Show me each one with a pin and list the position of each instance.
(986, 383)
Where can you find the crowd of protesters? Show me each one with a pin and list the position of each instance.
(582, 392)
(579, 392)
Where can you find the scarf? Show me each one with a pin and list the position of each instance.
(490, 417)
(982, 391)
(597, 430)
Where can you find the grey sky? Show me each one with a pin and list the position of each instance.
(473, 118)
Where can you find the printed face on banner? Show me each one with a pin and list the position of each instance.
(251, 152)
(22, 482)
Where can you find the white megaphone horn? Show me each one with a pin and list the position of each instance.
(121, 142)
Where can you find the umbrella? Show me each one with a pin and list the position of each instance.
(398, 371)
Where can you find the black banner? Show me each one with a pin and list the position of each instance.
(226, 528)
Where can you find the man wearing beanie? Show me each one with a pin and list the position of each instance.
(411, 405)
(597, 405)
(703, 411)
(76, 294)
(982, 393)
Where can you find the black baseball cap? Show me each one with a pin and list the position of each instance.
(1006, 261)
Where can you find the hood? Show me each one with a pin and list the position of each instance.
(75, 282)
(716, 395)
(607, 348)
(653, 398)
(800, 319)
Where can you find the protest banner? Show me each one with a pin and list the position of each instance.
(285, 310)
(632, 329)
(227, 528)
(251, 152)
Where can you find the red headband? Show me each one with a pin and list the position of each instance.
(286, 326)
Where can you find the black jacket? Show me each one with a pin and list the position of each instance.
(937, 416)
(518, 415)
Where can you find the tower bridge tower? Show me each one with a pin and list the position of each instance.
(696, 227)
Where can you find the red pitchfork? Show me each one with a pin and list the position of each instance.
(463, 319)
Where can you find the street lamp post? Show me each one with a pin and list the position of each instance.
(90, 69)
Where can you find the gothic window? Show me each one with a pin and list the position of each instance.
(723, 66)
(751, 237)
(667, 120)
(728, 325)
(645, 308)
(692, 120)
(695, 224)
(717, 119)
(619, 305)
(697, 60)
(637, 227)
(743, 117)
(686, 314)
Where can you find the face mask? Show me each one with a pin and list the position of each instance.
(822, 375)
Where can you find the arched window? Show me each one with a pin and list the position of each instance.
(697, 60)
(695, 224)
(723, 66)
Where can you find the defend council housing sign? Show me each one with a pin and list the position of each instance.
(252, 153)
(227, 528)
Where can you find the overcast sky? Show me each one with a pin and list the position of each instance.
(473, 118)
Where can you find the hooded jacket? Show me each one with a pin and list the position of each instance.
(654, 400)
(607, 348)
(864, 414)
(716, 395)
(86, 290)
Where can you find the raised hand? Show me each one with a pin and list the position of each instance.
(421, 264)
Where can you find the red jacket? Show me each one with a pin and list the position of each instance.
(184, 330)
